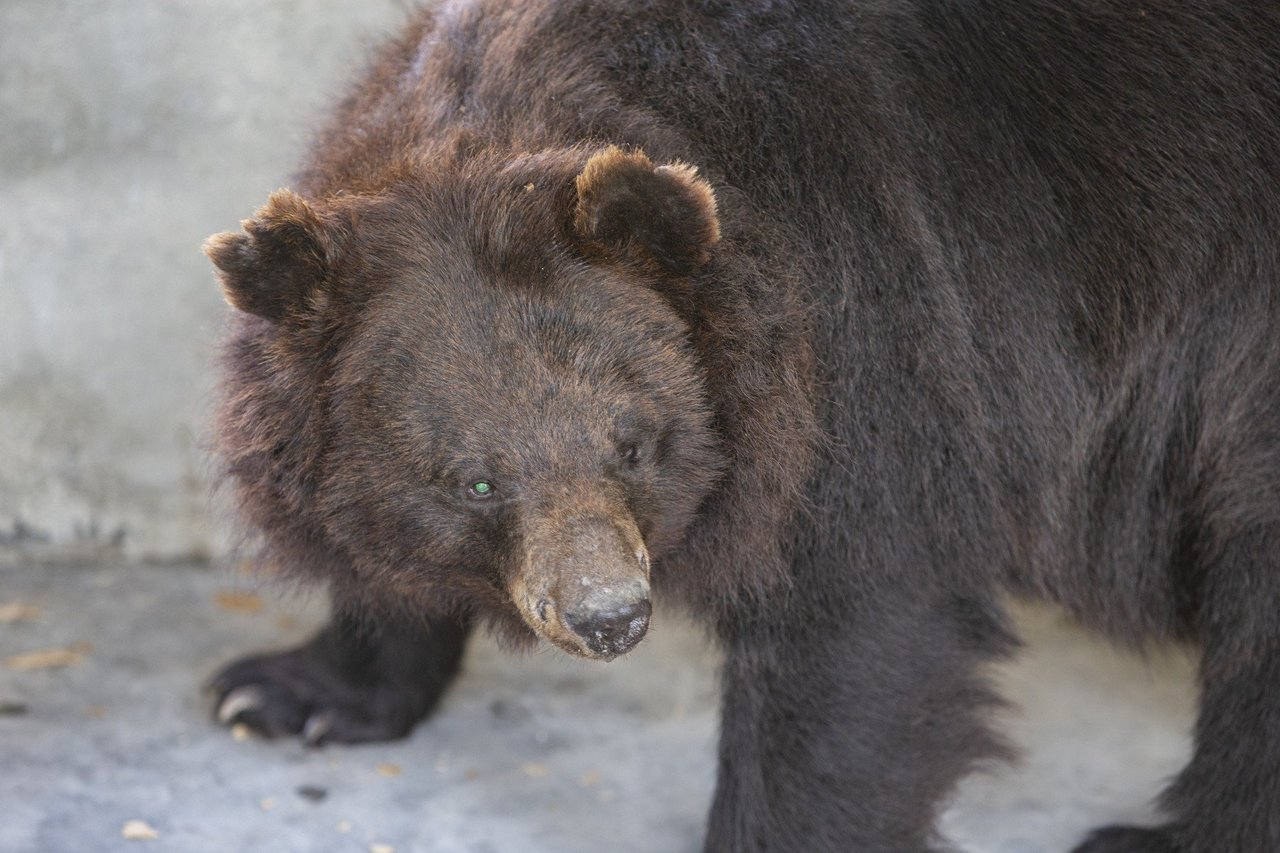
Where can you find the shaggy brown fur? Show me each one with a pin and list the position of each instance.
(963, 298)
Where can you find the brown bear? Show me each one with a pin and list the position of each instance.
(835, 322)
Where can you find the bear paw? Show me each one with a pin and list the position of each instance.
(300, 693)
(1127, 839)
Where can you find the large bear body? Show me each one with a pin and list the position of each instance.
(835, 322)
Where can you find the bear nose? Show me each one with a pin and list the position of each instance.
(614, 628)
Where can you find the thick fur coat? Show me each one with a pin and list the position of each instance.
(888, 309)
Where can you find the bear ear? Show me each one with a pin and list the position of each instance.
(278, 260)
(665, 214)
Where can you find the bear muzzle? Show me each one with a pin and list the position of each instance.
(584, 585)
(613, 623)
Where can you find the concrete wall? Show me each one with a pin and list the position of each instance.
(129, 131)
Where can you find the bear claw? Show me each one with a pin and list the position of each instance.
(316, 727)
(238, 701)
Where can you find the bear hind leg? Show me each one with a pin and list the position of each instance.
(1128, 839)
(1228, 795)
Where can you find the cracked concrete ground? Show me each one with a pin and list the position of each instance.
(529, 753)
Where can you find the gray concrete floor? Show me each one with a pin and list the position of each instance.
(532, 753)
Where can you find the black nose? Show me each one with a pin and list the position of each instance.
(614, 630)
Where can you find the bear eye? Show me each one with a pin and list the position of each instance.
(480, 489)
(629, 453)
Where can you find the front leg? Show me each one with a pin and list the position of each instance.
(844, 731)
(357, 680)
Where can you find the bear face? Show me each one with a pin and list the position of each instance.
(514, 420)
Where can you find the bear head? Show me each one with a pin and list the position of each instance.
(488, 361)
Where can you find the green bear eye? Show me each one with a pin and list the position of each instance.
(480, 489)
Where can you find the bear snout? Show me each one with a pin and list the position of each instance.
(614, 622)
(584, 584)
